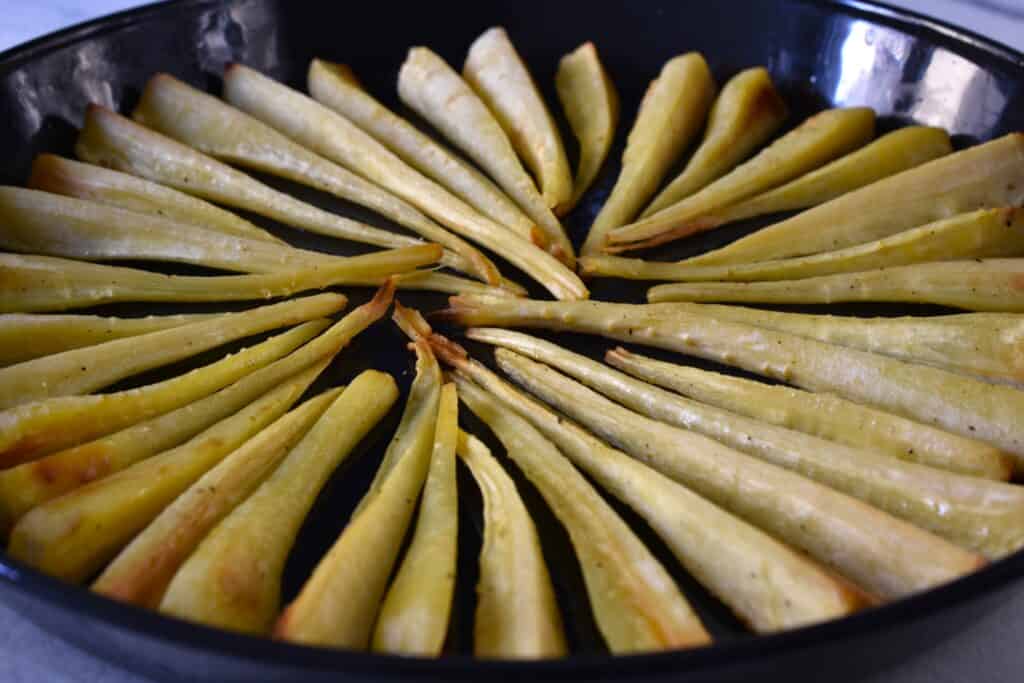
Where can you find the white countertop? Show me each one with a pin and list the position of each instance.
(988, 652)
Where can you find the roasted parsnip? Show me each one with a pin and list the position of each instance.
(636, 603)
(84, 370)
(977, 285)
(886, 556)
(671, 114)
(984, 233)
(73, 536)
(748, 111)
(437, 93)
(591, 104)
(987, 175)
(817, 141)
(517, 616)
(494, 69)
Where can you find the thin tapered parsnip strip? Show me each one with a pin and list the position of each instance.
(983, 516)
(33, 483)
(142, 570)
(963, 405)
(495, 70)
(824, 415)
(81, 371)
(591, 104)
(987, 175)
(748, 111)
(413, 618)
(52, 173)
(233, 578)
(73, 536)
(984, 233)
(340, 600)
(36, 429)
(516, 616)
(56, 333)
(892, 153)
(44, 283)
(977, 285)
(212, 127)
(636, 603)
(671, 114)
(335, 86)
(886, 556)
(111, 140)
(437, 93)
(766, 584)
(817, 141)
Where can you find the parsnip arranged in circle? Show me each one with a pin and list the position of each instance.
(591, 104)
(671, 114)
(764, 582)
(142, 570)
(884, 555)
(987, 175)
(818, 140)
(232, 579)
(56, 333)
(636, 603)
(984, 233)
(516, 616)
(84, 370)
(995, 284)
(51, 173)
(429, 86)
(335, 86)
(497, 73)
(73, 536)
(748, 111)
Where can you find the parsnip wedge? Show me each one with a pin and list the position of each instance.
(986, 345)
(824, 415)
(36, 429)
(817, 141)
(748, 111)
(494, 69)
(984, 233)
(963, 405)
(142, 570)
(671, 114)
(212, 127)
(591, 104)
(73, 536)
(636, 603)
(56, 333)
(327, 133)
(892, 153)
(34, 483)
(517, 616)
(233, 578)
(886, 556)
(979, 285)
(983, 516)
(44, 283)
(81, 371)
(768, 585)
(336, 87)
(111, 140)
(413, 618)
(338, 603)
(437, 93)
(52, 173)
(987, 175)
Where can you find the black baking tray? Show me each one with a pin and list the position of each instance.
(909, 68)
